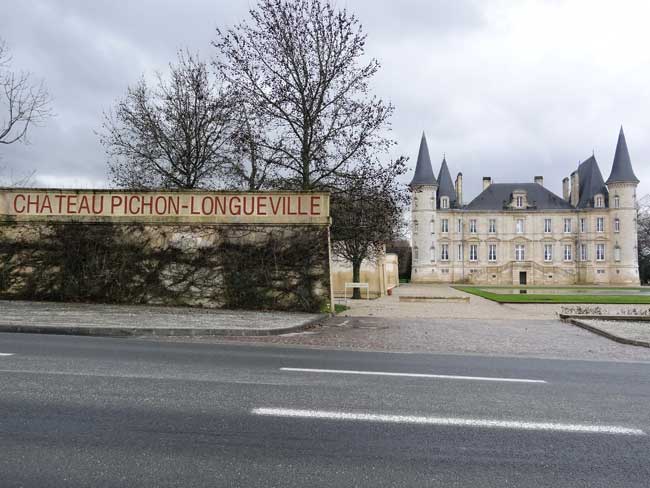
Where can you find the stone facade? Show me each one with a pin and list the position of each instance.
(514, 234)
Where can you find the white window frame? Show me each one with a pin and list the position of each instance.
(567, 226)
(617, 224)
(444, 226)
(519, 226)
(600, 224)
(617, 201)
(473, 252)
(584, 252)
(460, 253)
(548, 253)
(617, 253)
(520, 252)
(492, 226)
(472, 226)
(568, 252)
(599, 201)
(548, 226)
(492, 252)
(444, 202)
(600, 252)
(583, 225)
(519, 201)
(444, 252)
(459, 225)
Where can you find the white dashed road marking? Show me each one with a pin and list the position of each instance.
(448, 421)
(413, 375)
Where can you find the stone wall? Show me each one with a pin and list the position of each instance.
(278, 267)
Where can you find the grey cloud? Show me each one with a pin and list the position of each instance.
(506, 89)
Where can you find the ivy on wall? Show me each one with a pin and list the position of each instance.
(249, 267)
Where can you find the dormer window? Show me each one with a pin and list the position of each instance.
(599, 201)
(444, 202)
(520, 202)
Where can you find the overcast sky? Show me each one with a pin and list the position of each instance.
(508, 89)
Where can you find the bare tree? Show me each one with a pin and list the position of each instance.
(368, 213)
(299, 63)
(172, 135)
(253, 163)
(24, 102)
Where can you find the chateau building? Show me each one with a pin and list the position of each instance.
(522, 233)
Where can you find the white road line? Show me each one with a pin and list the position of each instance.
(413, 375)
(6, 353)
(448, 421)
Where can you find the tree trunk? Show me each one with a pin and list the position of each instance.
(356, 275)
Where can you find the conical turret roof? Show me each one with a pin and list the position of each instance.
(622, 167)
(423, 170)
(446, 184)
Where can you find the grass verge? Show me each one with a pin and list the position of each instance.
(554, 298)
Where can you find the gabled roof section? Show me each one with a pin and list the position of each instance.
(622, 167)
(446, 184)
(591, 182)
(498, 195)
(423, 169)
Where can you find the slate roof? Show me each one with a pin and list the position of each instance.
(591, 183)
(446, 185)
(622, 166)
(498, 195)
(423, 169)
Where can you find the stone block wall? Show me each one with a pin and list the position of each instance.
(274, 267)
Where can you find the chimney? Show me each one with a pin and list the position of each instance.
(459, 189)
(565, 189)
(575, 189)
(539, 180)
(487, 181)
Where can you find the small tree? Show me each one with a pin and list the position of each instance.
(643, 232)
(366, 214)
(174, 135)
(23, 101)
(299, 63)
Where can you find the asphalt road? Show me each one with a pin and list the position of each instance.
(121, 412)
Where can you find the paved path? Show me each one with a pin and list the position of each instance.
(476, 308)
(95, 319)
(81, 411)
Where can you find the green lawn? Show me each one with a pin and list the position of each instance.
(555, 298)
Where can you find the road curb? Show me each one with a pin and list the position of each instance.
(604, 333)
(109, 331)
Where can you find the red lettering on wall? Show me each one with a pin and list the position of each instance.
(46, 204)
(261, 205)
(276, 207)
(315, 205)
(250, 211)
(22, 203)
(160, 205)
(234, 206)
(72, 203)
(116, 201)
(192, 211)
(83, 205)
(207, 206)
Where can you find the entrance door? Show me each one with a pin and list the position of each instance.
(522, 277)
